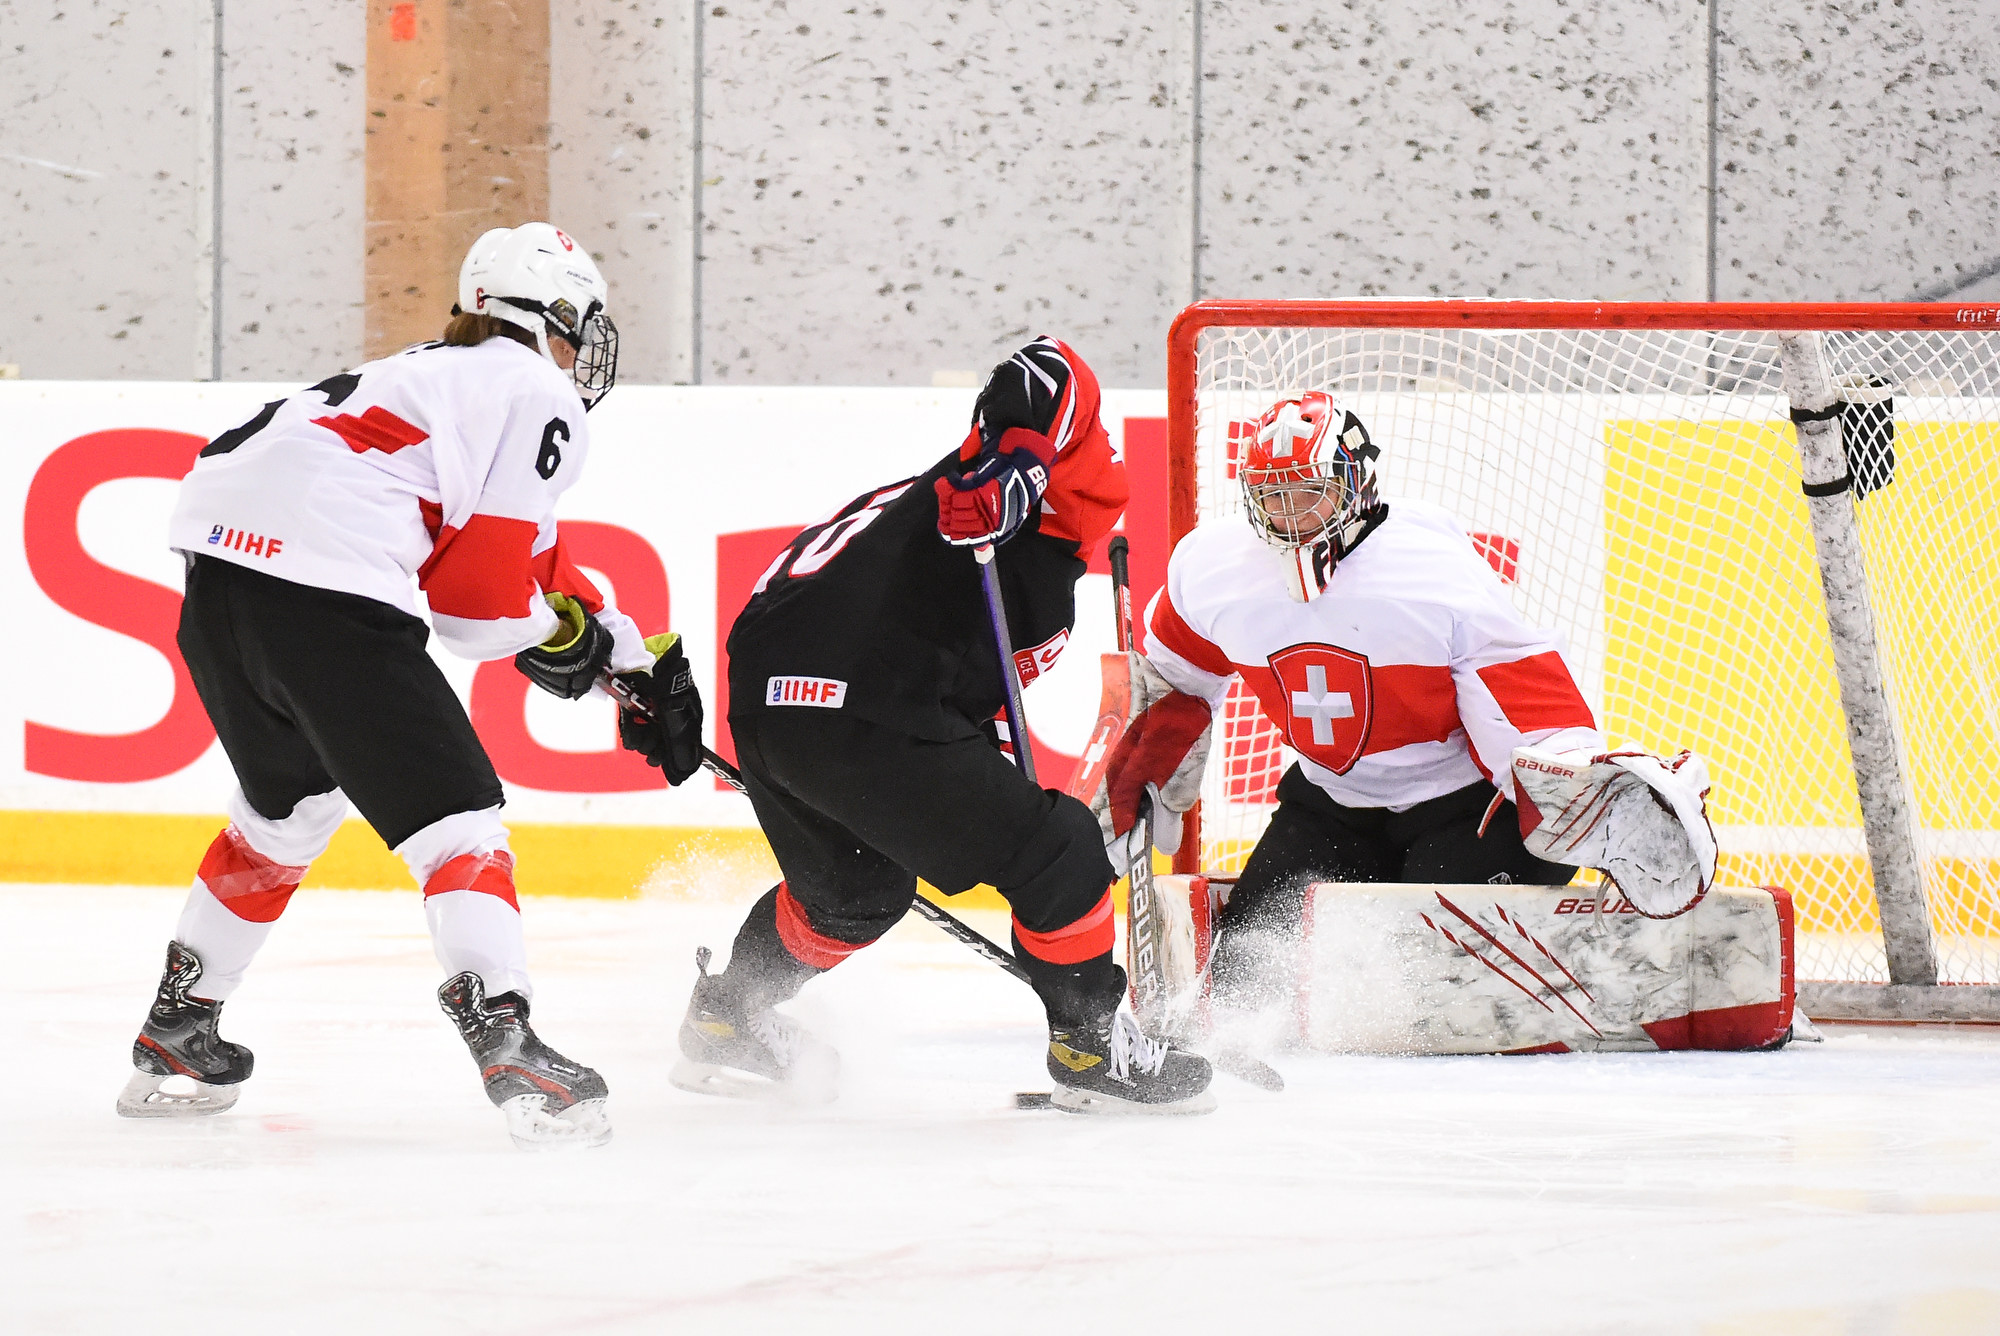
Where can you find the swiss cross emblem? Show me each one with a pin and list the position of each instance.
(1328, 704)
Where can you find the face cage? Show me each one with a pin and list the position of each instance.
(1270, 495)
(596, 369)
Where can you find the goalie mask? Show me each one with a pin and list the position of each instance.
(1308, 479)
(537, 277)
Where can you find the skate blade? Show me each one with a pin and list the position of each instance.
(144, 1097)
(578, 1127)
(708, 1078)
(1071, 1100)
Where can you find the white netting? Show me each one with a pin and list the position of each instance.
(1640, 489)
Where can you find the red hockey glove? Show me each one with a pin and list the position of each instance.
(992, 500)
(1158, 759)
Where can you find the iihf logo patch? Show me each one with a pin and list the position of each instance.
(822, 692)
(254, 544)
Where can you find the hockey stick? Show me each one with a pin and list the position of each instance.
(1142, 919)
(996, 612)
(730, 775)
(1151, 1006)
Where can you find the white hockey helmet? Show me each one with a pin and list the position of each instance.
(1308, 474)
(537, 277)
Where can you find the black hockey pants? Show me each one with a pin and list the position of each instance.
(856, 813)
(312, 688)
(1313, 838)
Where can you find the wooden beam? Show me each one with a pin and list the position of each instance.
(457, 142)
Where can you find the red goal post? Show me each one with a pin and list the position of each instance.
(1816, 608)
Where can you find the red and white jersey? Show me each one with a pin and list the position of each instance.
(436, 468)
(1410, 677)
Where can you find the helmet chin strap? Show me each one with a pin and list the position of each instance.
(532, 321)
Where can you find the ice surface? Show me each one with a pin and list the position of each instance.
(363, 1184)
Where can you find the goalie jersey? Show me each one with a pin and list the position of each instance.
(1411, 676)
(437, 468)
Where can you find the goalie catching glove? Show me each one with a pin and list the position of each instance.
(669, 737)
(1156, 763)
(567, 664)
(1641, 820)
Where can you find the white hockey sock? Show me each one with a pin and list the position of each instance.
(467, 873)
(246, 880)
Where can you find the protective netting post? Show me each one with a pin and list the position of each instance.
(1871, 725)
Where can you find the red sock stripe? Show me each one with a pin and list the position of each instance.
(809, 946)
(1091, 935)
(248, 884)
(492, 873)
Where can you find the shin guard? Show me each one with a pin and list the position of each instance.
(467, 873)
(245, 882)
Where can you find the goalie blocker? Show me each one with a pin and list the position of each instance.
(1428, 969)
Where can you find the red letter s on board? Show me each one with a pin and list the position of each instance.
(76, 582)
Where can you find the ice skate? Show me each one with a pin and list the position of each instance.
(551, 1103)
(749, 1051)
(178, 1044)
(1112, 1067)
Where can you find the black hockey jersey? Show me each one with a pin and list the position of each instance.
(872, 612)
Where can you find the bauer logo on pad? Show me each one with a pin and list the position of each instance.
(824, 692)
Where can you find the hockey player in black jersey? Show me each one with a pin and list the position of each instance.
(864, 680)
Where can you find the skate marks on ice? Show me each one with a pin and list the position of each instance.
(362, 1182)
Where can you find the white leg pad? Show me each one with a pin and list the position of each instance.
(471, 930)
(226, 944)
(295, 840)
(427, 851)
(226, 941)
(1508, 969)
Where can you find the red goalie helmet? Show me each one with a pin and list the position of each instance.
(1308, 473)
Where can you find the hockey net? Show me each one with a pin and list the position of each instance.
(1633, 473)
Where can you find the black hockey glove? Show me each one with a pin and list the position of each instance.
(567, 664)
(670, 736)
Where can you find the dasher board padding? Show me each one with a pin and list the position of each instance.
(1532, 969)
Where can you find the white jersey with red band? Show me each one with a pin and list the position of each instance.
(436, 468)
(1410, 677)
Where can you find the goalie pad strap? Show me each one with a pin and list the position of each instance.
(1834, 488)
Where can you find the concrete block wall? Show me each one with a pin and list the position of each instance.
(109, 178)
(819, 191)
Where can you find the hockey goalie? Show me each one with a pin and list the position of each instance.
(1411, 891)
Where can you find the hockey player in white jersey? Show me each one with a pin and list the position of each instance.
(1440, 738)
(307, 534)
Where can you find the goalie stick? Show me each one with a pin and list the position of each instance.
(730, 775)
(1142, 918)
(1160, 1015)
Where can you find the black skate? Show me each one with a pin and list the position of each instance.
(747, 1050)
(1112, 1067)
(179, 1040)
(551, 1103)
